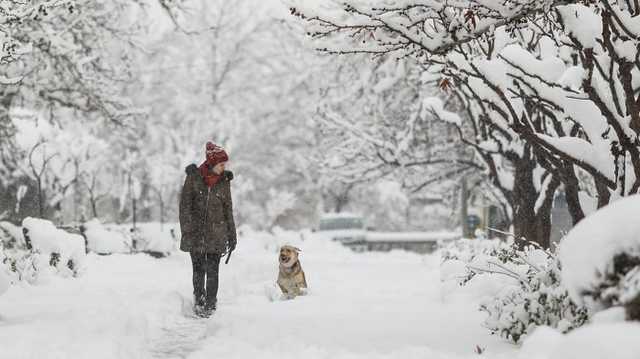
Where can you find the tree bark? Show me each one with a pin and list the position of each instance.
(604, 195)
(572, 190)
(341, 202)
(161, 212)
(77, 199)
(94, 209)
(133, 201)
(531, 225)
(464, 210)
(40, 199)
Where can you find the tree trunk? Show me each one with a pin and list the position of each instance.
(40, 199)
(92, 197)
(572, 190)
(407, 215)
(342, 199)
(94, 209)
(529, 224)
(161, 213)
(133, 201)
(134, 212)
(464, 210)
(76, 190)
(604, 195)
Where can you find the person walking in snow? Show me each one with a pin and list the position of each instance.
(207, 225)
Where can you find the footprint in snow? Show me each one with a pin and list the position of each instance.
(180, 336)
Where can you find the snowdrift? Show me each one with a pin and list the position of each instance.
(103, 241)
(46, 238)
(519, 289)
(600, 256)
(597, 341)
(55, 248)
(159, 238)
(152, 237)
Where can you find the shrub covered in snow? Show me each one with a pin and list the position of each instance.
(21, 264)
(5, 278)
(103, 241)
(531, 293)
(52, 248)
(154, 238)
(540, 299)
(158, 238)
(10, 235)
(601, 258)
(38, 250)
(469, 250)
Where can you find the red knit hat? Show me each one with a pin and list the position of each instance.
(215, 154)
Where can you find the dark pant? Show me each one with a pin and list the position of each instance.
(205, 264)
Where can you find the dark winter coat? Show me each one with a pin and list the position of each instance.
(206, 214)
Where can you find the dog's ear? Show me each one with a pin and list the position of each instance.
(290, 247)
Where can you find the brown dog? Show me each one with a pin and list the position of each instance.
(291, 277)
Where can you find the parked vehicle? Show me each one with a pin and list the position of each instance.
(419, 242)
(342, 227)
(350, 229)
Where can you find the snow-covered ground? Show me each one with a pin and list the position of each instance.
(369, 305)
(361, 305)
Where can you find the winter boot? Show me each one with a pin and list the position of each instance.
(199, 305)
(210, 307)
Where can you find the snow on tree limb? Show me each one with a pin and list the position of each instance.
(551, 83)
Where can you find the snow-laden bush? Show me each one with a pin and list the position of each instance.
(465, 251)
(10, 235)
(24, 265)
(103, 241)
(17, 257)
(5, 277)
(531, 291)
(158, 238)
(600, 258)
(540, 299)
(153, 238)
(38, 250)
(52, 249)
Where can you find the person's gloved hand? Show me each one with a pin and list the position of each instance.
(232, 245)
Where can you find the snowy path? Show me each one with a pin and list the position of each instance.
(361, 305)
(179, 339)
